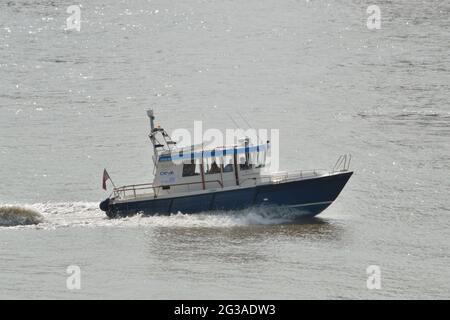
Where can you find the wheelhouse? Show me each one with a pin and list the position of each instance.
(192, 168)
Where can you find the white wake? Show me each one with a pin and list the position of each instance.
(87, 214)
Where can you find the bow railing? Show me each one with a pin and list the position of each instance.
(342, 163)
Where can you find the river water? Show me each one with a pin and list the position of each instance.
(73, 102)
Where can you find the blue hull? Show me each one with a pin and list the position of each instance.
(311, 196)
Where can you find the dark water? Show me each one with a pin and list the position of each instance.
(72, 103)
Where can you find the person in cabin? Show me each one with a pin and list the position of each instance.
(243, 164)
(214, 168)
(189, 170)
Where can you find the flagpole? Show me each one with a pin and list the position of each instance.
(112, 182)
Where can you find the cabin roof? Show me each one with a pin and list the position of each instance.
(187, 154)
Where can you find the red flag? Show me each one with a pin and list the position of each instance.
(105, 178)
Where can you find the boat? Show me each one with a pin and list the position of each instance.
(195, 179)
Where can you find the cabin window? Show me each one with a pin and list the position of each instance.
(227, 165)
(261, 159)
(212, 165)
(191, 169)
(245, 163)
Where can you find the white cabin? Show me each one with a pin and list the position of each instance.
(193, 169)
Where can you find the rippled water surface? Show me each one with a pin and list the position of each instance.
(72, 103)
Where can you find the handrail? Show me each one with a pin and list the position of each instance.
(278, 177)
(342, 163)
(122, 191)
(135, 185)
(188, 183)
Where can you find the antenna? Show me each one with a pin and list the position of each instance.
(245, 120)
(235, 124)
(152, 133)
(250, 127)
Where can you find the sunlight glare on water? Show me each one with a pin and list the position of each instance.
(73, 103)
